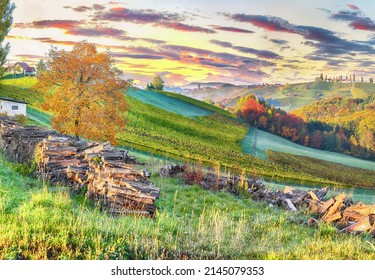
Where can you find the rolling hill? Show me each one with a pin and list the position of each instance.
(184, 129)
(168, 103)
(288, 97)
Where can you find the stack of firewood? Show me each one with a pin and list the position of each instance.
(19, 142)
(339, 209)
(120, 188)
(110, 175)
(349, 218)
(209, 180)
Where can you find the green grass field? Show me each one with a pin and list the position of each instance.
(198, 103)
(354, 177)
(267, 141)
(211, 140)
(38, 116)
(42, 222)
(38, 221)
(168, 103)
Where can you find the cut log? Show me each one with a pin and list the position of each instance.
(118, 164)
(321, 193)
(334, 210)
(313, 195)
(98, 148)
(124, 173)
(358, 212)
(116, 155)
(359, 227)
(171, 170)
(324, 206)
(288, 189)
(332, 218)
(320, 207)
(290, 205)
(146, 188)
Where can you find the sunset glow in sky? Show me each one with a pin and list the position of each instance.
(239, 41)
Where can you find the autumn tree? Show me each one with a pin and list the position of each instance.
(316, 139)
(83, 91)
(6, 20)
(252, 110)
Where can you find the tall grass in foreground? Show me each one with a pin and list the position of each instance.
(42, 222)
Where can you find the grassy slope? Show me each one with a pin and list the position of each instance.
(168, 103)
(332, 171)
(198, 103)
(212, 140)
(41, 222)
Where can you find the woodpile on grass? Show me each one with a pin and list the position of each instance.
(109, 174)
(19, 142)
(339, 210)
(208, 180)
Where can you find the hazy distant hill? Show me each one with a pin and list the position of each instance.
(287, 97)
(196, 85)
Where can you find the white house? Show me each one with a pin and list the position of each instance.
(12, 107)
(23, 68)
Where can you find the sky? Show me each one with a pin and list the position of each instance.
(183, 41)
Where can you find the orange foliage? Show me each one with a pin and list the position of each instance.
(252, 109)
(83, 91)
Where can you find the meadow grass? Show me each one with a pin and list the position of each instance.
(210, 140)
(198, 103)
(168, 103)
(347, 176)
(38, 221)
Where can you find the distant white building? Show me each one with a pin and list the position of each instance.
(12, 107)
(23, 68)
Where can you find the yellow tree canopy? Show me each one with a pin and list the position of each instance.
(83, 90)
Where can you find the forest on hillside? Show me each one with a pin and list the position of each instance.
(344, 125)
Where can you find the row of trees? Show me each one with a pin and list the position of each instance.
(341, 78)
(315, 134)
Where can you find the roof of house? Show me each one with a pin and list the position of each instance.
(13, 100)
(25, 66)
(30, 69)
